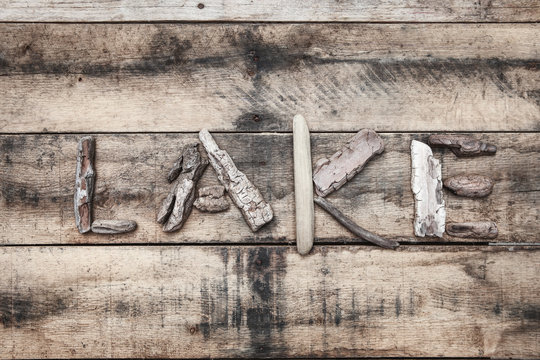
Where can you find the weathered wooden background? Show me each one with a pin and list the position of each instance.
(145, 76)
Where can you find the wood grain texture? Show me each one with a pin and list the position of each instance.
(267, 10)
(175, 77)
(168, 302)
(132, 182)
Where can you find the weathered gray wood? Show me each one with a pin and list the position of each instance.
(426, 184)
(470, 185)
(477, 229)
(267, 10)
(185, 173)
(211, 199)
(353, 227)
(132, 183)
(303, 186)
(255, 210)
(113, 226)
(331, 174)
(85, 177)
(342, 77)
(462, 145)
(247, 301)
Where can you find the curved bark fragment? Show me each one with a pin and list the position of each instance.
(477, 230)
(470, 185)
(184, 198)
(113, 226)
(331, 174)
(462, 145)
(84, 184)
(255, 210)
(211, 199)
(430, 213)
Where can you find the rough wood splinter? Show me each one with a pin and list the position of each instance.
(462, 145)
(243, 193)
(476, 229)
(353, 227)
(176, 207)
(331, 174)
(303, 186)
(211, 199)
(113, 226)
(84, 184)
(474, 186)
(430, 213)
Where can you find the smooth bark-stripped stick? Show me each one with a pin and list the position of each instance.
(113, 226)
(243, 193)
(303, 186)
(84, 184)
(469, 185)
(462, 145)
(474, 229)
(353, 227)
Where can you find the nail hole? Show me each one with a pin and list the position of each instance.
(200, 6)
(80, 79)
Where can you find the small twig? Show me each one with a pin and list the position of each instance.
(353, 227)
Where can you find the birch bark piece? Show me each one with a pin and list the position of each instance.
(353, 227)
(477, 230)
(430, 213)
(303, 186)
(84, 184)
(113, 226)
(462, 145)
(176, 207)
(255, 210)
(211, 199)
(331, 174)
(470, 185)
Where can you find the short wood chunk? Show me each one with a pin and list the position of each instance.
(211, 199)
(477, 230)
(331, 174)
(462, 145)
(113, 226)
(256, 211)
(430, 213)
(176, 207)
(353, 227)
(303, 186)
(84, 184)
(470, 185)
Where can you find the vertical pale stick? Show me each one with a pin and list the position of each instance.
(303, 186)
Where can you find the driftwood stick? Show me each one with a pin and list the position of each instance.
(243, 193)
(303, 186)
(84, 184)
(477, 229)
(470, 185)
(462, 145)
(430, 213)
(113, 226)
(353, 227)
(211, 199)
(176, 207)
(331, 174)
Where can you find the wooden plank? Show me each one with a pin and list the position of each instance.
(37, 174)
(165, 302)
(266, 10)
(175, 77)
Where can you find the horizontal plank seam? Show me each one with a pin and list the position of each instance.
(273, 22)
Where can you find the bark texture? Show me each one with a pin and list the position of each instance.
(186, 171)
(477, 229)
(470, 185)
(303, 186)
(84, 184)
(462, 145)
(256, 211)
(211, 199)
(430, 213)
(113, 226)
(353, 227)
(331, 174)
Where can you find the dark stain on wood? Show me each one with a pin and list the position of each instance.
(18, 309)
